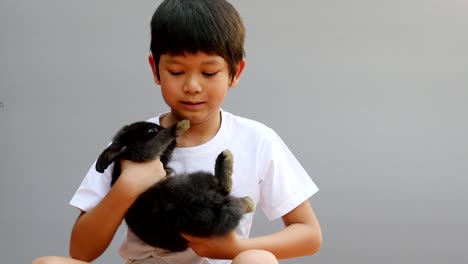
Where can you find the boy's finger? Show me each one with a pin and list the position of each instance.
(186, 236)
(190, 238)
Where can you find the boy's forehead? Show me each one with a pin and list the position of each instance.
(200, 57)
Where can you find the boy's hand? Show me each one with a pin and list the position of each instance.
(216, 247)
(139, 176)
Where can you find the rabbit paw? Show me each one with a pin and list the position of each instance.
(182, 126)
(248, 204)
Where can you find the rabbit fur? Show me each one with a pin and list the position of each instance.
(197, 204)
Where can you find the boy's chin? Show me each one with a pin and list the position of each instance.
(197, 117)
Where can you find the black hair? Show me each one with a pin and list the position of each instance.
(191, 26)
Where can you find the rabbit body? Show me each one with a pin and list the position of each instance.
(197, 204)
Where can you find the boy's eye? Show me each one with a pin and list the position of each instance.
(175, 73)
(209, 74)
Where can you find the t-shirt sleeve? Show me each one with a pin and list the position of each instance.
(93, 188)
(284, 183)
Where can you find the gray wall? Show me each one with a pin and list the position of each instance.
(371, 96)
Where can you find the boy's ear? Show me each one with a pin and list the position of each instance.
(153, 68)
(240, 68)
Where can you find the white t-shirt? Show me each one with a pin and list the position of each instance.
(264, 169)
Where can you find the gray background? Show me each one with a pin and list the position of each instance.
(371, 96)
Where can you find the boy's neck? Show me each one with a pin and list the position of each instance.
(197, 134)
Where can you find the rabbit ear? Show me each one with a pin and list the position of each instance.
(109, 155)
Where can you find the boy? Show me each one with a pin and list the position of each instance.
(196, 56)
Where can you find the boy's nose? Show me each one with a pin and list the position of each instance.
(192, 85)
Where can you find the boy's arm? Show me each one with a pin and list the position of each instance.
(301, 236)
(93, 230)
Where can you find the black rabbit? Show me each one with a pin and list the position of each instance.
(197, 203)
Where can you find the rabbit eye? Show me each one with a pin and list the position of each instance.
(151, 131)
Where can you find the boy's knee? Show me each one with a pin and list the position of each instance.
(43, 260)
(51, 260)
(255, 256)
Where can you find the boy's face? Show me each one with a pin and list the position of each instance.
(194, 85)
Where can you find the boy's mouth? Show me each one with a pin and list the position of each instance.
(192, 104)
